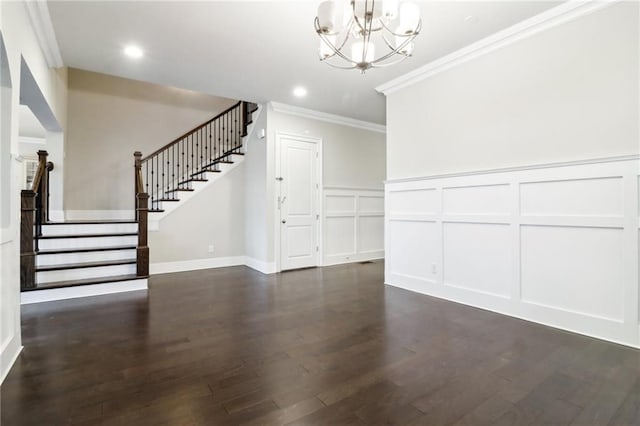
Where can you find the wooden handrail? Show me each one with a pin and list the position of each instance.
(195, 129)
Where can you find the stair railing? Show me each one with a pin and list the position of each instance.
(172, 168)
(186, 159)
(34, 206)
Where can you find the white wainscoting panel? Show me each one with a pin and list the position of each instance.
(553, 244)
(353, 225)
(559, 263)
(476, 200)
(476, 257)
(576, 197)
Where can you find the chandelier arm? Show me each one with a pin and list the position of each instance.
(336, 50)
(341, 67)
(355, 17)
(395, 50)
(415, 32)
(389, 55)
(388, 64)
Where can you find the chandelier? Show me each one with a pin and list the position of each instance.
(352, 31)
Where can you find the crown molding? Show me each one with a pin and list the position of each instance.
(561, 14)
(40, 19)
(330, 118)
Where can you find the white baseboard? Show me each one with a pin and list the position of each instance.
(9, 354)
(352, 258)
(194, 265)
(261, 266)
(56, 215)
(99, 214)
(49, 295)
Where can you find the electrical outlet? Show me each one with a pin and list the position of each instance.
(434, 268)
(211, 248)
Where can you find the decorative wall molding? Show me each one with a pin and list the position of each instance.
(194, 265)
(353, 225)
(42, 26)
(354, 188)
(330, 118)
(557, 245)
(38, 296)
(631, 157)
(558, 15)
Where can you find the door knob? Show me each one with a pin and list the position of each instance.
(284, 221)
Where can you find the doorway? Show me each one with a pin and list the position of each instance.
(299, 175)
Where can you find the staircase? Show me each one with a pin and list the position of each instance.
(62, 260)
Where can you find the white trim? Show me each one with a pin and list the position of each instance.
(330, 118)
(194, 265)
(56, 215)
(354, 188)
(251, 128)
(32, 140)
(632, 157)
(99, 214)
(7, 365)
(331, 260)
(260, 266)
(561, 14)
(38, 296)
(42, 26)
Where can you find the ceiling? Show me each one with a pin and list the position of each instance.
(258, 50)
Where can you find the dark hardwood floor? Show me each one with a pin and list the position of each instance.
(326, 346)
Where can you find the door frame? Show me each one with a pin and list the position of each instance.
(319, 195)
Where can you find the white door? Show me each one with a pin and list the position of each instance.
(298, 203)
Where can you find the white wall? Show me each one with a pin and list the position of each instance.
(353, 162)
(567, 93)
(21, 44)
(255, 198)
(213, 217)
(554, 243)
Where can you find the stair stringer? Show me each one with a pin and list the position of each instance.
(154, 219)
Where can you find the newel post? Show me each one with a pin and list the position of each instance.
(142, 211)
(27, 254)
(43, 187)
(142, 251)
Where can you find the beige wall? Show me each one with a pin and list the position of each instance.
(109, 119)
(215, 216)
(567, 93)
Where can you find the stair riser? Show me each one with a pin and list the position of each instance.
(83, 273)
(89, 228)
(97, 256)
(72, 243)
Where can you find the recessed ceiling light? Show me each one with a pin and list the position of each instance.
(299, 92)
(133, 51)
